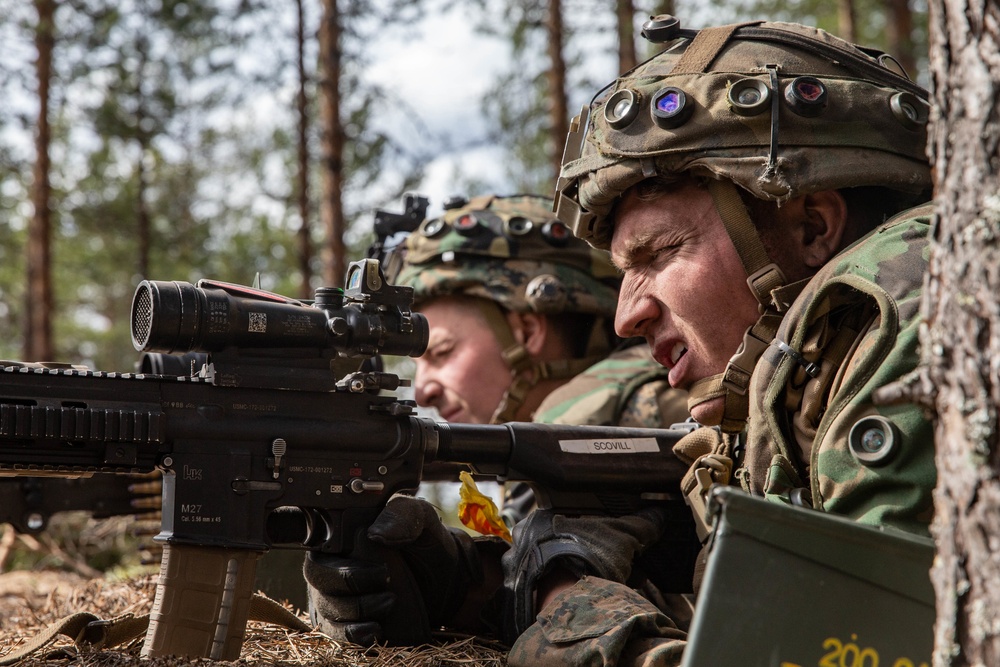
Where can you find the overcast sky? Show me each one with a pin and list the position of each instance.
(443, 67)
(443, 74)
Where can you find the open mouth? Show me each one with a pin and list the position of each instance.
(678, 351)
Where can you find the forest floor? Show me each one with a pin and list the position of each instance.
(34, 598)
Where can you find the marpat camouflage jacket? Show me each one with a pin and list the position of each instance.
(857, 320)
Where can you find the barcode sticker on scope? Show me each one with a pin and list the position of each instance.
(609, 446)
(258, 323)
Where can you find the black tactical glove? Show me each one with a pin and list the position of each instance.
(408, 577)
(587, 545)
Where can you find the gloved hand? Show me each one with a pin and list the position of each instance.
(605, 547)
(408, 576)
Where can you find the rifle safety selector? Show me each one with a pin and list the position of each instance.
(358, 485)
(278, 449)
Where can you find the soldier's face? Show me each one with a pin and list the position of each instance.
(684, 288)
(462, 374)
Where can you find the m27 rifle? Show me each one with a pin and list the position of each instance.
(278, 440)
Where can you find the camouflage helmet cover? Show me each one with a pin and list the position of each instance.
(779, 109)
(511, 250)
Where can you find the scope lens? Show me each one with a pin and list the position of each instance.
(142, 316)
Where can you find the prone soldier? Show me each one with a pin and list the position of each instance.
(753, 182)
(520, 315)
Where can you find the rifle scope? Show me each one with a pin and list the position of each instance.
(178, 317)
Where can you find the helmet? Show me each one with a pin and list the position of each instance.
(779, 109)
(514, 254)
(511, 250)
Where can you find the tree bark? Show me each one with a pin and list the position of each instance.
(625, 11)
(38, 343)
(143, 218)
(899, 34)
(332, 206)
(961, 344)
(847, 20)
(556, 75)
(303, 244)
(142, 141)
(660, 7)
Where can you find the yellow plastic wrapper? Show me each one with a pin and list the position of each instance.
(478, 511)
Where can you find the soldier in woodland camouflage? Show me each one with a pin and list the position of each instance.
(754, 184)
(496, 259)
(804, 152)
(520, 316)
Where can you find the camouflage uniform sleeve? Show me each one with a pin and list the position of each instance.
(628, 388)
(654, 405)
(599, 622)
(857, 321)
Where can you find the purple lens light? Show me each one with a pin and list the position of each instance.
(670, 108)
(669, 103)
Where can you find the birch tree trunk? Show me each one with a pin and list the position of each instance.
(961, 344)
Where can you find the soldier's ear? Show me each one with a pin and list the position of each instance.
(530, 330)
(823, 222)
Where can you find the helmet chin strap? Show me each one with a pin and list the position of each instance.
(764, 277)
(525, 372)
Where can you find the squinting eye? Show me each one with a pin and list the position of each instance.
(441, 351)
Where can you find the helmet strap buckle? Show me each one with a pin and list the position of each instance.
(762, 281)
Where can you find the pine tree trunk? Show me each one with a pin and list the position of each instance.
(661, 7)
(143, 218)
(142, 140)
(304, 247)
(332, 206)
(961, 345)
(38, 345)
(625, 12)
(847, 20)
(899, 34)
(556, 75)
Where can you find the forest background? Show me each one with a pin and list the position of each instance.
(188, 139)
(181, 139)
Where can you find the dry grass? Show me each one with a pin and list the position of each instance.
(30, 601)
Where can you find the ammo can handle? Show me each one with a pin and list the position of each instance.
(202, 602)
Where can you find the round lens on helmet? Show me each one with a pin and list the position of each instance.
(465, 224)
(909, 110)
(749, 97)
(806, 96)
(518, 226)
(661, 28)
(556, 233)
(621, 109)
(546, 293)
(670, 108)
(432, 227)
